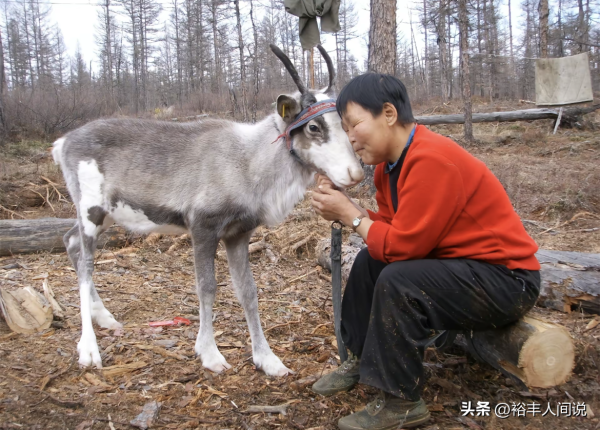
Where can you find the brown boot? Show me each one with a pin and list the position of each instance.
(387, 412)
(342, 379)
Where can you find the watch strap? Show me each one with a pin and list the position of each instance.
(360, 217)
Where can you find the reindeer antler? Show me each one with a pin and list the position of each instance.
(290, 68)
(330, 69)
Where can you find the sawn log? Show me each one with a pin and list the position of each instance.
(533, 352)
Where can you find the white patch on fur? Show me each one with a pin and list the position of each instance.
(90, 186)
(87, 346)
(282, 197)
(102, 317)
(207, 350)
(137, 221)
(57, 150)
(336, 158)
(73, 241)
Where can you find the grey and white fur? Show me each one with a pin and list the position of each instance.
(216, 179)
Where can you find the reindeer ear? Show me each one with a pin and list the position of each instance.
(287, 108)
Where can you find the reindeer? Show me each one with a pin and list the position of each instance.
(217, 180)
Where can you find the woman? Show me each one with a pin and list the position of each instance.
(445, 251)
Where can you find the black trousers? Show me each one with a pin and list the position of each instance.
(390, 311)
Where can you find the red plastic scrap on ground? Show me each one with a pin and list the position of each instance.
(175, 321)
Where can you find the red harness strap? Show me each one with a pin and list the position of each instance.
(311, 112)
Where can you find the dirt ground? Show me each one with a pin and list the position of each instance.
(553, 181)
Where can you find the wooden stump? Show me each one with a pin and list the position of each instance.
(531, 351)
(25, 310)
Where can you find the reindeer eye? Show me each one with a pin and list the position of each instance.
(313, 128)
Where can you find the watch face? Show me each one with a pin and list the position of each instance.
(356, 222)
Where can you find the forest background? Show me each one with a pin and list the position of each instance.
(182, 57)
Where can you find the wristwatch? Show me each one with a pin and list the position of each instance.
(356, 222)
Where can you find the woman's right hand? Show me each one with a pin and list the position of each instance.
(323, 182)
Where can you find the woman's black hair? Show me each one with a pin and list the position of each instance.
(372, 91)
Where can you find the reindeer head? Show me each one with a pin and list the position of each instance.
(314, 131)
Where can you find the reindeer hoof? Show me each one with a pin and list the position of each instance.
(104, 318)
(212, 359)
(89, 355)
(216, 364)
(272, 365)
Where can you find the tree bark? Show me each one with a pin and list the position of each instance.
(3, 130)
(570, 281)
(382, 37)
(443, 48)
(543, 12)
(464, 68)
(242, 62)
(531, 351)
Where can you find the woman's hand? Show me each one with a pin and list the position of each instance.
(333, 204)
(323, 182)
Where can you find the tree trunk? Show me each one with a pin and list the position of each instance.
(109, 53)
(512, 58)
(443, 48)
(3, 130)
(255, 66)
(426, 57)
(178, 56)
(464, 68)
(543, 12)
(382, 37)
(560, 31)
(46, 234)
(217, 56)
(581, 27)
(242, 63)
(382, 51)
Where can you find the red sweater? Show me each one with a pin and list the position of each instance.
(450, 205)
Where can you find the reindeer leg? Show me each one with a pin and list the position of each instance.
(205, 245)
(245, 290)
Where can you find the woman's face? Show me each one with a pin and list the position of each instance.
(369, 135)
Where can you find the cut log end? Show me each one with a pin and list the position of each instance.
(547, 358)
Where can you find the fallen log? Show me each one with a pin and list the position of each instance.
(570, 280)
(569, 116)
(46, 234)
